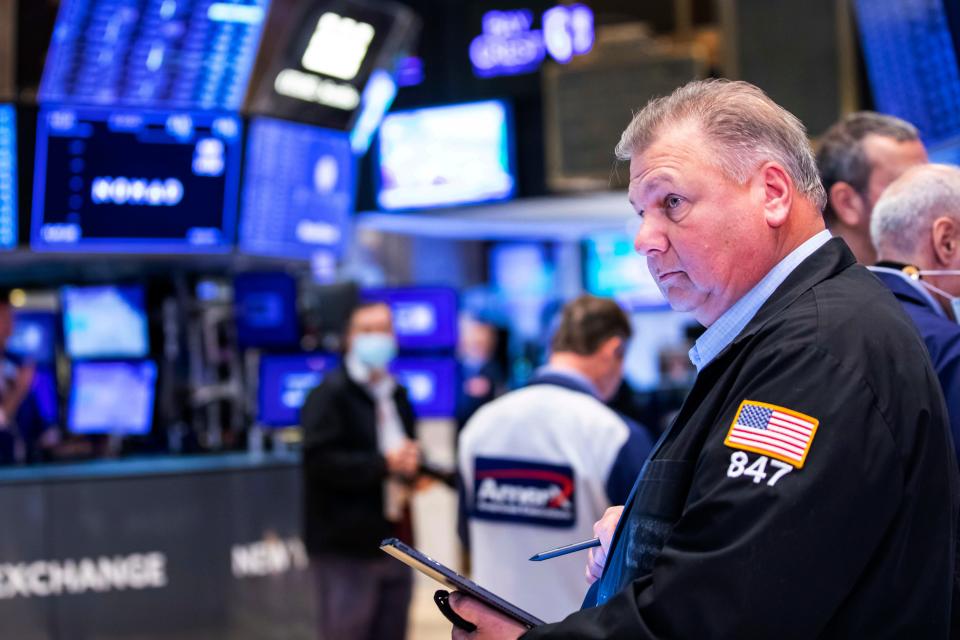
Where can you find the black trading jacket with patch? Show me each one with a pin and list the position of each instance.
(858, 543)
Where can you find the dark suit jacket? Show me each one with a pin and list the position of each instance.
(343, 469)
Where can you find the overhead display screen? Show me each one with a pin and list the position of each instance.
(8, 176)
(318, 58)
(175, 54)
(137, 182)
(912, 63)
(105, 322)
(112, 397)
(445, 156)
(298, 189)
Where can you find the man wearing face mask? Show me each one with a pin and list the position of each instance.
(541, 464)
(360, 459)
(916, 231)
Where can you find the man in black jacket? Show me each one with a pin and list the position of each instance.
(807, 488)
(360, 457)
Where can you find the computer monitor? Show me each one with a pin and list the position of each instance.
(444, 156)
(431, 384)
(285, 382)
(266, 310)
(105, 322)
(912, 62)
(298, 190)
(34, 336)
(423, 317)
(112, 397)
(135, 181)
(188, 54)
(614, 269)
(521, 269)
(8, 176)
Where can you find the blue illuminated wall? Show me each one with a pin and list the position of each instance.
(298, 189)
(8, 176)
(912, 63)
(182, 54)
(135, 181)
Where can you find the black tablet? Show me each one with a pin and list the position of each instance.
(456, 582)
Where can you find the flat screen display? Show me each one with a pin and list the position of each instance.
(266, 310)
(176, 54)
(911, 62)
(285, 382)
(34, 336)
(445, 156)
(423, 317)
(112, 397)
(8, 176)
(431, 384)
(105, 322)
(298, 190)
(44, 391)
(135, 182)
(615, 270)
(320, 59)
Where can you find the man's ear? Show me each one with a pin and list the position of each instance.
(612, 347)
(777, 194)
(849, 206)
(946, 241)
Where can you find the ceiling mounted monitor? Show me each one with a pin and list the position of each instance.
(331, 63)
(446, 156)
(183, 54)
(135, 181)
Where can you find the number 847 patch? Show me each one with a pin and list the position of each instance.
(762, 469)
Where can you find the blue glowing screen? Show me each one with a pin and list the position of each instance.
(8, 176)
(144, 182)
(912, 63)
(34, 336)
(298, 189)
(423, 317)
(105, 322)
(442, 156)
(176, 54)
(614, 269)
(285, 382)
(266, 310)
(431, 384)
(112, 397)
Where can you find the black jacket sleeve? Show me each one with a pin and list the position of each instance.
(328, 460)
(764, 549)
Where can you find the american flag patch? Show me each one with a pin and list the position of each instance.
(773, 431)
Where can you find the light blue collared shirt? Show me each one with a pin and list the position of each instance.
(729, 325)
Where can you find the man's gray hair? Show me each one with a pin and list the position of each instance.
(905, 213)
(841, 157)
(747, 127)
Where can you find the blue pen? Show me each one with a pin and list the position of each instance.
(570, 548)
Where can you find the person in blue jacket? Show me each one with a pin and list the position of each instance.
(916, 230)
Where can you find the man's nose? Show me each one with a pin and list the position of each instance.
(650, 237)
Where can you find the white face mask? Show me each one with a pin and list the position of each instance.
(954, 300)
(374, 350)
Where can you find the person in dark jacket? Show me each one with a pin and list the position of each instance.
(916, 230)
(807, 488)
(360, 457)
(858, 157)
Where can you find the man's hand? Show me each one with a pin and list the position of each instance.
(603, 529)
(491, 625)
(404, 460)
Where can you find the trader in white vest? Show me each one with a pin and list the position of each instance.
(541, 464)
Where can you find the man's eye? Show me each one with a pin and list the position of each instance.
(672, 202)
